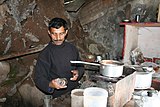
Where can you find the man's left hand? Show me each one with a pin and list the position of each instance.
(75, 75)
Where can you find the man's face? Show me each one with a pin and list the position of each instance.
(58, 35)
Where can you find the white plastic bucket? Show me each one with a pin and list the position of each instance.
(77, 98)
(95, 97)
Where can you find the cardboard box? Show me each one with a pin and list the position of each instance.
(123, 90)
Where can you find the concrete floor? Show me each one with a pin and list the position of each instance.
(63, 101)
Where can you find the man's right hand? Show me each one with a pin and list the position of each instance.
(55, 84)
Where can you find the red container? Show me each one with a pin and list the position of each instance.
(156, 84)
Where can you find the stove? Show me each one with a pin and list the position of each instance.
(106, 78)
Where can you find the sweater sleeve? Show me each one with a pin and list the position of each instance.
(41, 76)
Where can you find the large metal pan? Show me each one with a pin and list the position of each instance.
(110, 68)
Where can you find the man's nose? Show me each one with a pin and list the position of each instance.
(58, 36)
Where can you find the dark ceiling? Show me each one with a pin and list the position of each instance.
(73, 5)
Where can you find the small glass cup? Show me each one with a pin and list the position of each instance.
(62, 81)
(47, 101)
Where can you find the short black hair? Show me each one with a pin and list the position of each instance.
(57, 23)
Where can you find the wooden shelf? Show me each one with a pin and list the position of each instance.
(27, 52)
(141, 35)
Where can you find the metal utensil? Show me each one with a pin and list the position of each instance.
(83, 62)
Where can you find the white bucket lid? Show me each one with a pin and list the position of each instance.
(95, 91)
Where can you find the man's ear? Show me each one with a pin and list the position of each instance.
(66, 31)
(49, 32)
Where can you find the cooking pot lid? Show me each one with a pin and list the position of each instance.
(111, 62)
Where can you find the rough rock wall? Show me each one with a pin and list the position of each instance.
(24, 23)
(101, 20)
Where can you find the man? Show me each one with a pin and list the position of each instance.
(53, 63)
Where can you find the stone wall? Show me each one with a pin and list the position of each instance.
(101, 19)
(24, 23)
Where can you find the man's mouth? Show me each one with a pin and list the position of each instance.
(57, 42)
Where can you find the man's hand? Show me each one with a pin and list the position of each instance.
(55, 83)
(75, 75)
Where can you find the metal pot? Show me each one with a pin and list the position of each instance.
(111, 68)
(143, 80)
